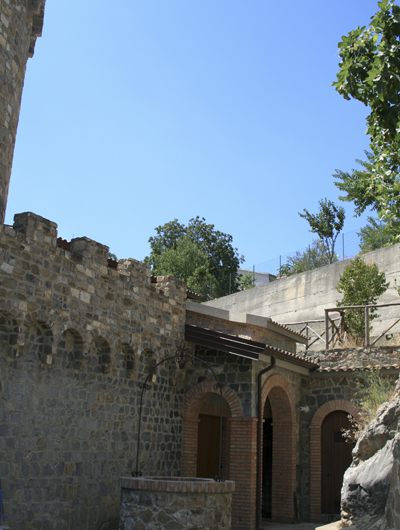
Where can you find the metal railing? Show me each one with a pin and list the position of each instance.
(340, 330)
(310, 332)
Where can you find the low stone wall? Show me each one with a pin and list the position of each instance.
(388, 356)
(175, 503)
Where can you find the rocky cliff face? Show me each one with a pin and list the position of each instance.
(371, 485)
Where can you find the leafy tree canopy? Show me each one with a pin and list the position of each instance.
(376, 234)
(370, 73)
(361, 284)
(317, 255)
(359, 187)
(197, 254)
(328, 224)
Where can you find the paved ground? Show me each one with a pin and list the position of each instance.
(301, 526)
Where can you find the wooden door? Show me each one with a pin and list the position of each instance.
(208, 446)
(336, 458)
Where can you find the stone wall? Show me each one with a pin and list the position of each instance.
(21, 22)
(167, 504)
(76, 339)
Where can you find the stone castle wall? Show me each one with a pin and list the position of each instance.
(21, 21)
(76, 340)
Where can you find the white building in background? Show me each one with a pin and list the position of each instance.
(261, 278)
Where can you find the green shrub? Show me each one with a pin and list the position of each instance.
(361, 284)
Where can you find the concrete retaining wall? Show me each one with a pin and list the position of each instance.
(304, 296)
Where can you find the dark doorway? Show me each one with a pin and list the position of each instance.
(267, 469)
(208, 446)
(208, 438)
(336, 458)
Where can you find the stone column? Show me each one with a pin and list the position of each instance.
(21, 21)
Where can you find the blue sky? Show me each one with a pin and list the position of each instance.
(153, 110)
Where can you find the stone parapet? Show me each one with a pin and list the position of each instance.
(178, 503)
(358, 357)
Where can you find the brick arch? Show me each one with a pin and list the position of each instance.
(194, 399)
(279, 381)
(278, 390)
(315, 450)
(196, 396)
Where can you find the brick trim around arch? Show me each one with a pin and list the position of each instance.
(194, 399)
(243, 449)
(315, 450)
(278, 390)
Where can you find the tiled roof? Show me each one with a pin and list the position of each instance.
(327, 369)
(296, 358)
(287, 328)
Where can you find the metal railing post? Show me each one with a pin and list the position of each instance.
(326, 331)
(366, 326)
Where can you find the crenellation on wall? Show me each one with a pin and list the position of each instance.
(76, 339)
(35, 17)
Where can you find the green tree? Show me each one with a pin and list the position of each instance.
(188, 263)
(359, 186)
(370, 73)
(361, 284)
(208, 255)
(375, 234)
(246, 281)
(327, 224)
(315, 256)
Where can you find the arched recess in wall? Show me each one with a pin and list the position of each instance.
(322, 413)
(39, 343)
(70, 349)
(202, 403)
(8, 332)
(283, 475)
(128, 361)
(100, 353)
(147, 362)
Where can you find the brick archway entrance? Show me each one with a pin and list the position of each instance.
(243, 447)
(315, 450)
(277, 390)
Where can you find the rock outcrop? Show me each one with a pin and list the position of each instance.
(371, 485)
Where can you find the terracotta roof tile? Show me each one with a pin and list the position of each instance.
(297, 358)
(287, 328)
(327, 369)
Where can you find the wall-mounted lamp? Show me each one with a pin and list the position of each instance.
(304, 409)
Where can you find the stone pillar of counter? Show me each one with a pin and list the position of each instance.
(175, 503)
